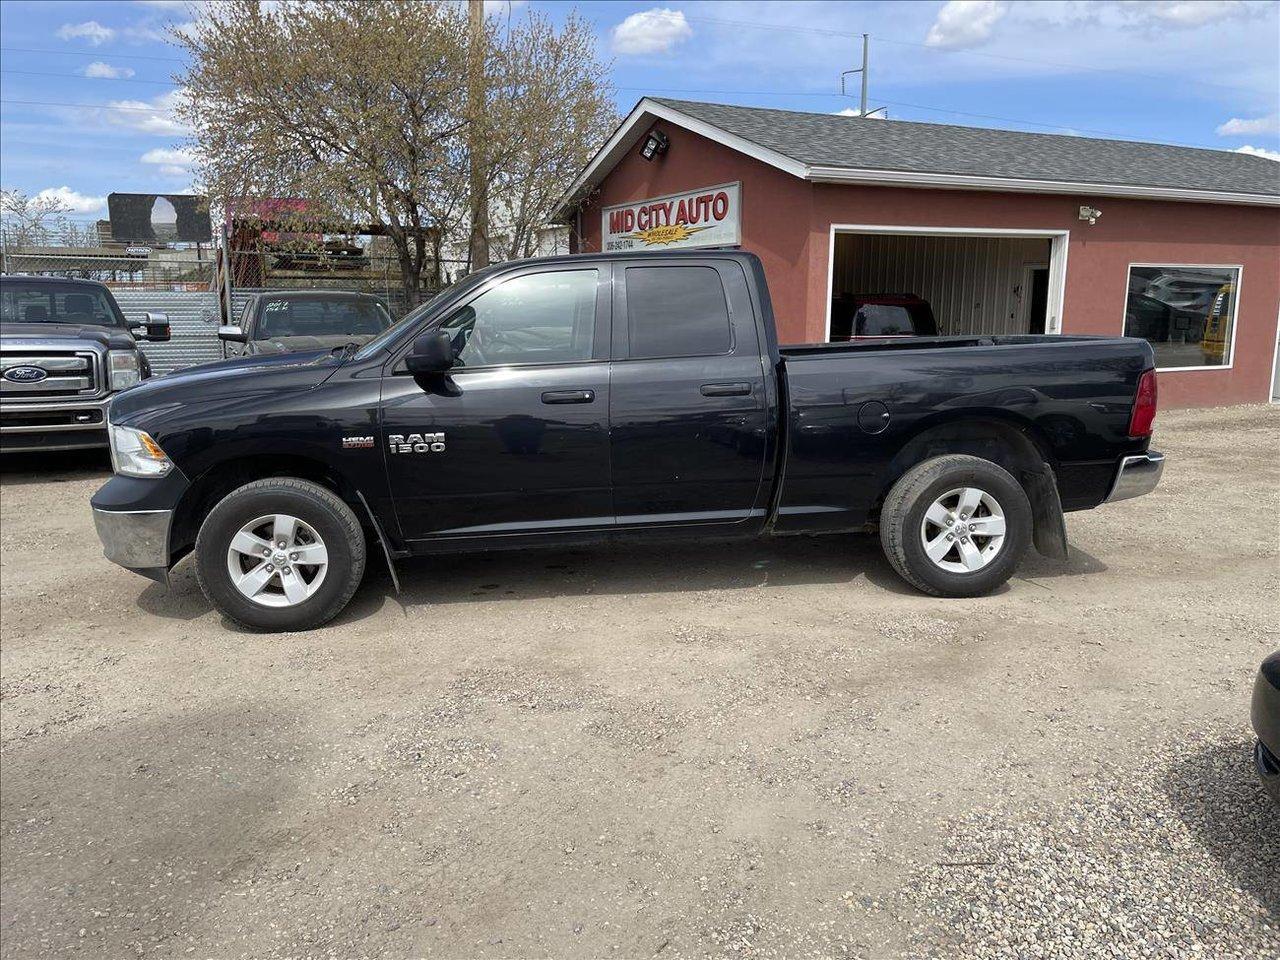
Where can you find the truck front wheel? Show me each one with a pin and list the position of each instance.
(280, 554)
(956, 526)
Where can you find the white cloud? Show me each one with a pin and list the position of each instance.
(154, 116)
(651, 31)
(1259, 152)
(1257, 126)
(162, 155)
(965, 23)
(1188, 13)
(91, 30)
(76, 202)
(855, 112)
(106, 71)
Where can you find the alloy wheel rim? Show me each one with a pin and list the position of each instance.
(277, 560)
(963, 530)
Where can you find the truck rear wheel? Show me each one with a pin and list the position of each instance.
(280, 554)
(956, 526)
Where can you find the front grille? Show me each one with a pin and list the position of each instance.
(69, 374)
(50, 418)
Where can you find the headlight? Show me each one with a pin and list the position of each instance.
(124, 368)
(135, 454)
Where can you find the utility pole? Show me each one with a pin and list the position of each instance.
(479, 246)
(866, 56)
(864, 70)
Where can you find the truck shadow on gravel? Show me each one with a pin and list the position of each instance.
(1215, 791)
(835, 561)
(54, 466)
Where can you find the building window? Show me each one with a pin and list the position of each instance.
(1187, 313)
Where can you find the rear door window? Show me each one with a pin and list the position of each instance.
(676, 311)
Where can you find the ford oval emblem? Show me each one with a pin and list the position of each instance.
(25, 374)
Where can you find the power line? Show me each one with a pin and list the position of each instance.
(816, 31)
(96, 56)
(86, 106)
(748, 93)
(81, 76)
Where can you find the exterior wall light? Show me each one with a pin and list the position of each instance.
(1091, 214)
(655, 144)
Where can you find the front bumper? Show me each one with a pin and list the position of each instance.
(137, 540)
(134, 517)
(54, 425)
(1136, 476)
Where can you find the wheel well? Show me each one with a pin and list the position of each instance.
(1014, 447)
(216, 482)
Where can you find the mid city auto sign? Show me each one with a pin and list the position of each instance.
(709, 217)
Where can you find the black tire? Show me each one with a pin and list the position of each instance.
(315, 506)
(902, 517)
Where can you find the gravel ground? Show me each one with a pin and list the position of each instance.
(770, 750)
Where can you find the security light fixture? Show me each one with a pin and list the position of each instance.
(655, 143)
(1091, 214)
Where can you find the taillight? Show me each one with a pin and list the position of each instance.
(1144, 406)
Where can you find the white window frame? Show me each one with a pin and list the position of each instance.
(1059, 246)
(1235, 309)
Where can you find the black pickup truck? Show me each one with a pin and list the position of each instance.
(565, 400)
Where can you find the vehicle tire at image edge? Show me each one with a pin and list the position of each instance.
(956, 526)
(280, 554)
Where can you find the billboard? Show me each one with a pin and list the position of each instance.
(159, 218)
(708, 217)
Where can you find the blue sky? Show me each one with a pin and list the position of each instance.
(84, 86)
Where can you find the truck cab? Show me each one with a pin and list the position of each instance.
(66, 349)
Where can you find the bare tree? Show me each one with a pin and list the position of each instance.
(364, 111)
(25, 220)
(551, 100)
(350, 106)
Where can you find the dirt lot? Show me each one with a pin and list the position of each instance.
(767, 749)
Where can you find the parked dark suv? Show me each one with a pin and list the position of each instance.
(65, 350)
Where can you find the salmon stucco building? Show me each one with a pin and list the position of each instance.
(997, 231)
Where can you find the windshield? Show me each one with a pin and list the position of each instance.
(417, 313)
(313, 317)
(43, 302)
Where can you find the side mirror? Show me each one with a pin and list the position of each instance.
(431, 353)
(156, 327)
(231, 334)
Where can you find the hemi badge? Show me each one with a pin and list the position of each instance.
(357, 443)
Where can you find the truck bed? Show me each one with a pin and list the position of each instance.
(851, 408)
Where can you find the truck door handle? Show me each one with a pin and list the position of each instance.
(569, 396)
(726, 389)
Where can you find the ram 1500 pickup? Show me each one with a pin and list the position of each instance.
(564, 400)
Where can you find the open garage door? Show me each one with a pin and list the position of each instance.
(903, 280)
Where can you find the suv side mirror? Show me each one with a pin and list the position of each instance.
(156, 326)
(231, 334)
(431, 353)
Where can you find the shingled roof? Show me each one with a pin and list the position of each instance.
(832, 148)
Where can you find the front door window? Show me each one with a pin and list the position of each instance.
(536, 318)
